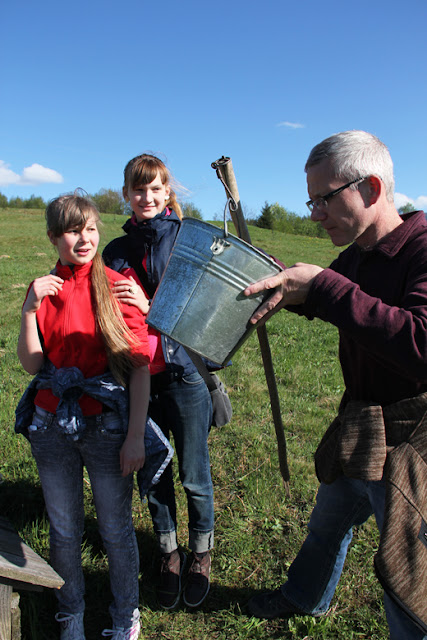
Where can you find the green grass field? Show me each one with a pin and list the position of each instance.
(258, 528)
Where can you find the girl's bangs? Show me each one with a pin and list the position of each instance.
(69, 212)
(145, 171)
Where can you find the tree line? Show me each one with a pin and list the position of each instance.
(106, 201)
(272, 216)
(277, 218)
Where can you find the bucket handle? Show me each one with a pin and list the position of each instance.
(228, 206)
(219, 244)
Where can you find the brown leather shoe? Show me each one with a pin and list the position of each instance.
(171, 568)
(197, 586)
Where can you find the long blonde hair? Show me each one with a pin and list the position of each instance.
(73, 211)
(143, 169)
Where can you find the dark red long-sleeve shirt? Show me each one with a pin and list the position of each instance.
(378, 301)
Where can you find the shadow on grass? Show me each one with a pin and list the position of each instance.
(21, 502)
(38, 609)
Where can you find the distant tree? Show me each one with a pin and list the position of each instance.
(189, 210)
(16, 203)
(266, 219)
(284, 220)
(276, 217)
(3, 201)
(127, 209)
(34, 202)
(109, 201)
(406, 208)
(252, 222)
(304, 226)
(249, 214)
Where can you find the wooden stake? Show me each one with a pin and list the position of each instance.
(225, 172)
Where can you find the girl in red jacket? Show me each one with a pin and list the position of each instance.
(84, 348)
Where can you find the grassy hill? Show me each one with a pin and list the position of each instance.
(258, 528)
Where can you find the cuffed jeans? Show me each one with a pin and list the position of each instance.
(315, 572)
(60, 460)
(183, 407)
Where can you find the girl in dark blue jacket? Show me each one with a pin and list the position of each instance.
(180, 401)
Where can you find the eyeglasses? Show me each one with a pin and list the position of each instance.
(323, 200)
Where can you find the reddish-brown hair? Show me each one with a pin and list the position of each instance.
(143, 169)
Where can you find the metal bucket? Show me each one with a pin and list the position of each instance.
(199, 301)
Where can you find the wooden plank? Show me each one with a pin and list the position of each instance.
(19, 562)
(5, 612)
(15, 616)
(18, 585)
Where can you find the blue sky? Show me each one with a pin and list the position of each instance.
(87, 85)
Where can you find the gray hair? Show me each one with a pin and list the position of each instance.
(356, 154)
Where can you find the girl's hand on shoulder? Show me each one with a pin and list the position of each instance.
(129, 292)
(132, 454)
(49, 285)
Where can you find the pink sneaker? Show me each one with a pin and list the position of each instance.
(120, 633)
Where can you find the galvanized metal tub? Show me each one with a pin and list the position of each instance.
(199, 301)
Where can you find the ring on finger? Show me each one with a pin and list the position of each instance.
(131, 290)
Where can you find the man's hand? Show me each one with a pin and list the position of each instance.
(290, 286)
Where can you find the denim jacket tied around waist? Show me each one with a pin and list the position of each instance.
(68, 384)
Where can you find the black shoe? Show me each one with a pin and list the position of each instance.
(197, 586)
(171, 568)
(271, 604)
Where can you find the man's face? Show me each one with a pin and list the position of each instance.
(346, 218)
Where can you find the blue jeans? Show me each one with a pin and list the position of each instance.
(315, 572)
(60, 460)
(184, 408)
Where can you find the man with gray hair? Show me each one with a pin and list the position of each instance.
(372, 460)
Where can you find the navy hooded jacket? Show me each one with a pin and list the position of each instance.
(153, 239)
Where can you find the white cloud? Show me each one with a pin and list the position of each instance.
(419, 203)
(7, 176)
(400, 200)
(37, 174)
(291, 125)
(33, 175)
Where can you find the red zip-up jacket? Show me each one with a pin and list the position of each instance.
(69, 333)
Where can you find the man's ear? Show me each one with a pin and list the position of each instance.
(374, 189)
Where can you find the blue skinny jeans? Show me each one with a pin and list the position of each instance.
(315, 572)
(60, 460)
(183, 407)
